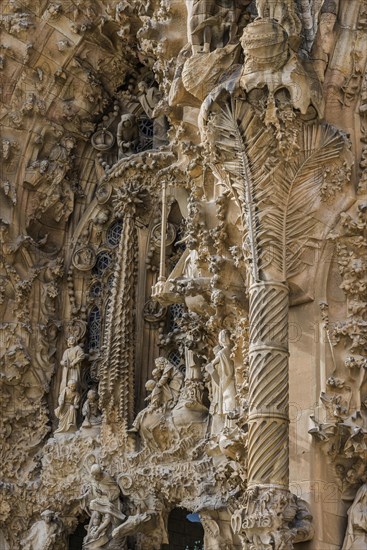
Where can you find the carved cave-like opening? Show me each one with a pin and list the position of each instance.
(76, 539)
(184, 533)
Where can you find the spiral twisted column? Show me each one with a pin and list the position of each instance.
(268, 510)
(268, 385)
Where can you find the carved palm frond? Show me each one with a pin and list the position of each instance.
(241, 152)
(292, 195)
(277, 198)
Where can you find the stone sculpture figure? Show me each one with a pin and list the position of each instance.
(127, 135)
(71, 362)
(57, 193)
(221, 371)
(325, 38)
(213, 21)
(97, 531)
(165, 389)
(90, 411)
(199, 27)
(149, 98)
(169, 381)
(44, 533)
(356, 535)
(67, 410)
(103, 496)
(149, 418)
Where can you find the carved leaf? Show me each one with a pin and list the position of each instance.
(292, 195)
(277, 198)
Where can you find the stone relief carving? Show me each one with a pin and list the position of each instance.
(356, 531)
(127, 135)
(71, 361)
(68, 404)
(221, 136)
(44, 533)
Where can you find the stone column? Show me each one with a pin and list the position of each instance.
(268, 446)
(162, 263)
(267, 519)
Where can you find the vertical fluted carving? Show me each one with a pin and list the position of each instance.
(268, 385)
(116, 372)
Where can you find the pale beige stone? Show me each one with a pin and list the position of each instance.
(183, 275)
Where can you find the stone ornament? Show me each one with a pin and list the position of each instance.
(211, 157)
(84, 258)
(156, 235)
(356, 535)
(103, 140)
(103, 193)
(71, 362)
(44, 533)
(90, 411)
(154, 311)
(66, 412)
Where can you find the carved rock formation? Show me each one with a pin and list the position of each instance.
(183, 275)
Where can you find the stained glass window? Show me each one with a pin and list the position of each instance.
(94, 328)
(114, 233)
(175, 311)
(104, 261)
(95, 290)
(146, 134)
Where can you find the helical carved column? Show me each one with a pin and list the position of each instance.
(268, 385)
(267, 519)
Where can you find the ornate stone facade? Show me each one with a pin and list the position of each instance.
(183, 274)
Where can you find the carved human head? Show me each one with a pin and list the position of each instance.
(96, 471)
(68, 142)
(127, 120)
(160, 362)
(48, 516)
(71, 341)
(142, 86)
(72, 384)
(96, 519)
(224, 338)
(92, 395)
(150, 385)
(352, 476)
(44, 164)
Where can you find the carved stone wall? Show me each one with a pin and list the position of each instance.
(183, 223)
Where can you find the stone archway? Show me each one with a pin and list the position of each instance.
(184, 533)
(75, 541)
